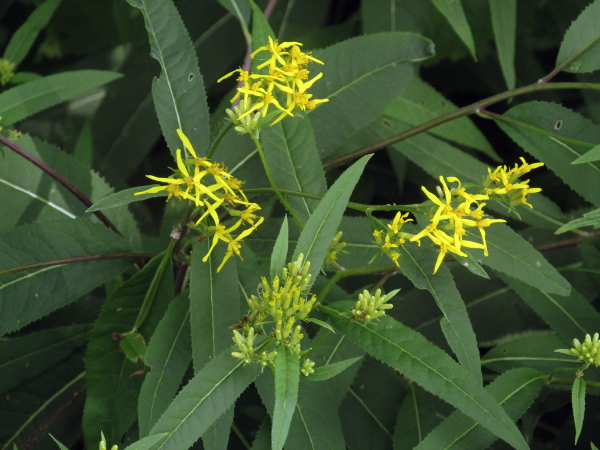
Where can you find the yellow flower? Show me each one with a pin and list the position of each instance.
(483, 224)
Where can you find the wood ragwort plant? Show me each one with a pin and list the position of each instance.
(259, 307)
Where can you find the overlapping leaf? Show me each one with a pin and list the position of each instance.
(410, 353)
(504, 24)
(359, 88)
(287, 373)
(515, 391)
(455, 15)
(113, 381)
(583, 39)
(29, 295)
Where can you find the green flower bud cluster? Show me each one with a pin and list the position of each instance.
(334, 248)
(275, 311)
(588, 352)
(248, 123)
(6, 71)
(370, 307)
(307, 367)
(103, 443)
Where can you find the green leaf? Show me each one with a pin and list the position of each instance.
(261, 30)
(453, 11)
(200, 403)
(21, 41)
(43, 290)
(134, 347)
(582, 38)
(179, 95)
(556, 136)
(237, 8)
(504, 24)
(358, 89)
(25, 357)
(291, 151)
(168, 356)
(125, 197)
(416, 418)
(214, 305)
(567, 316)
(590, 156)
(578, 400)
(419, 102)
(84, 147)
(515, 391)
(590, 218)
(417, 265)
(319, 322)
(60, 445)
(287, 377)
(322, 373)
(113, 381)
(535, 351)
(25, 100)
(280, 250)
(509, 253)
(322, 225)
(410, 353)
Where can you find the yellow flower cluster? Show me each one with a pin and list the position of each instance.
(282, 303)
(456, 210)
(503, 181)
(225, 192)
(287, 78)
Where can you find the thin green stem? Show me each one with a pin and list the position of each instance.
(75, 259)
(218, 140)
(240, 436)
(353, 273)
(153, 289)
(452, 115)
(351, 205)
(277, 191)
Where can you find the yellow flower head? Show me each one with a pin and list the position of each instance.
(191, 183)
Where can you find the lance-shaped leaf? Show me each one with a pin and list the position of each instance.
(323, 223)
(28, 295)
(509, 253)
(25, 357)
(22, 39)
(416, 418)
(515, 391)
(125, 197)
(168, 356)
(414, 356)
(214, 308)
(24, 100)
(113, 381)
(582, 38)
(417, 265)
(291, 151)
(578, 401)
(179, 95)
(535, 351)
(200, 403)
(359, 88)
(591, 218)
(287, 373)
(504, 24)
(453, 11)
(568, 316)
(557, 136)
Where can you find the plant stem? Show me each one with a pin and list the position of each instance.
(352, 273)
(464, 111)
(351, 205)
(58, 177)
(218, 140)
(75, 259)
(153, 289)
(277, 191)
